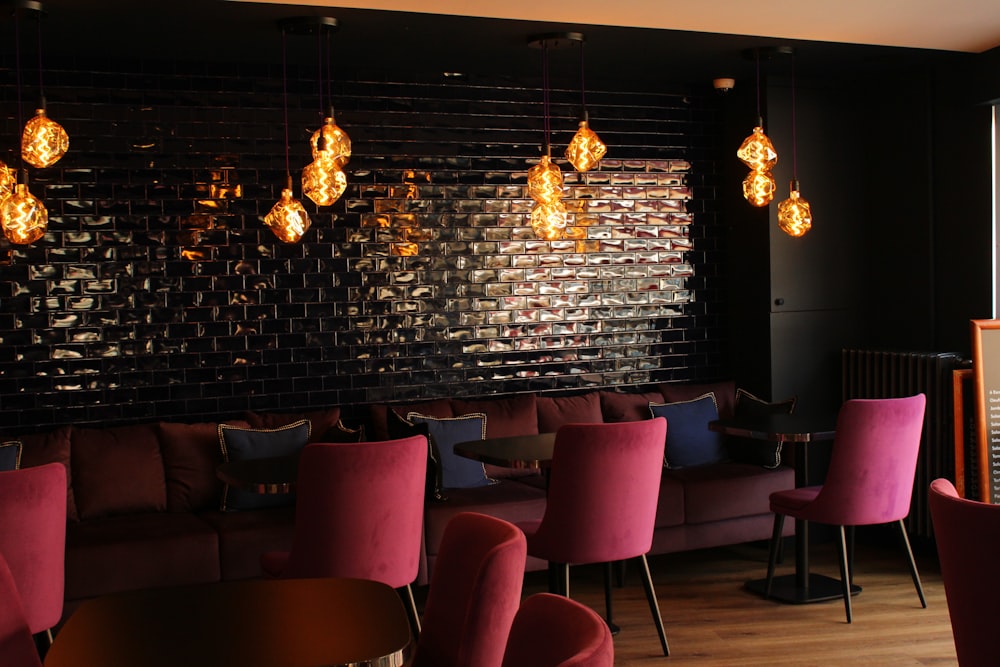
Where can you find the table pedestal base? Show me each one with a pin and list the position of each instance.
(784, 589)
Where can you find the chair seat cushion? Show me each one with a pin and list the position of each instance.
(670, 503)
(791, 502)
(244, 536)
(729, 490)
(146, 550)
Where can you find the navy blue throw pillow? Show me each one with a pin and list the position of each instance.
(457, 472)
(10, 455)
(689, 442)
(241, 444)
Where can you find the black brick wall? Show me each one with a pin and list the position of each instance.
(158, 293)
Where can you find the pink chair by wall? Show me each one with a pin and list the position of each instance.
(17, 647)
(967, 534)
(358, 513)
(869, 481)
(33, 539)
(474, 592)
(603, 488)
(554, 631)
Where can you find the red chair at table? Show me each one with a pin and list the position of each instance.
(967, 534)
(17, 647)
(604, 485)
(554, 631)
(358, 513)
(474, 593)
(33, 540)
(869, 481)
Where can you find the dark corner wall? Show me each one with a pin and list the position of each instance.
(159, 293)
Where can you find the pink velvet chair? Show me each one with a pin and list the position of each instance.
(33, 540)
(554, 631)
(474, 593)
(17, 647)
(967, 534)
(869, 481)
(358, 513)
(603, 488)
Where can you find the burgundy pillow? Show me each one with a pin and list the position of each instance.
(321, 421)
(617, 406)
(555, 411)
(440, 408)
(517, 415)
(725, 394)
(48, 447)
(190, 456)
(118, 470)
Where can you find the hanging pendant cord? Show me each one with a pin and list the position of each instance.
(583, 86)
(795, 171)
(284, 94)
(17, 50)
(545, 90)
(759, 117)
(329, 70)
(319, 68)
(41, 86)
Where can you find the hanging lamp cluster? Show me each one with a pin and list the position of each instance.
(323, 180)
(23, 217)
(584, 152)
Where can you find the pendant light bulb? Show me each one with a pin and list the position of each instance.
(757, 151)
(794, 214)
(43, 141)
(548, 220)
(586, 149)
(545, 180)
(323, 181)
(8, 179)
(330, 140)
(22, 215)
(759, 187)
(288, 218)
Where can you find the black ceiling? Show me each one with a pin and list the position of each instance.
(221, 31)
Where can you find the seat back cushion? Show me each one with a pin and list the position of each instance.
(618, 406)
(555, 411)
(689, 441)
(191, 453)
(48, 447)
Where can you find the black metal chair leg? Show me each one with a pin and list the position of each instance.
(564, 580)
(411, 611)
(772, 556)
(608, 611)
(913, 564)
(845, 572)
(850, 552)
(654, 606)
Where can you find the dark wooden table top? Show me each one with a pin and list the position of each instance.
(265, 475)
(250, 623)
(530, 452)
(779, 428)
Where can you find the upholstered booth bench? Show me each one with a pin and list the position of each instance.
(144, 503)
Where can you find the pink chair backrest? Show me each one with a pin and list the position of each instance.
(17, 647)
(603, 490)
(474, 592)
(33, 539)
(967, 534)
(873, 463)
(555, 631)
(359, 511)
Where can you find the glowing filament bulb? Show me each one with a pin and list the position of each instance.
(332, 141)
(287, 218)
(8, 179)
(23, 216)
(545, 181)
(757, 151)
(759, 187)
(548, 220)
(794, 214)
(43, 141)
(586, 149)
(323, 181)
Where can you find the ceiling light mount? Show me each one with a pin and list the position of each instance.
(555, 40)
(308, 25)
(763, 53)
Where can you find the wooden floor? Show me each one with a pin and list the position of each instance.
(710, 619)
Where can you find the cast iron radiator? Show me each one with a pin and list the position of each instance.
(888, 374)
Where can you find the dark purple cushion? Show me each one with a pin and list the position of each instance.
(244, 536)
(191, 454)
(440, 408)
(729, 490)
(555, 411)
(619, 406)
(725, 394)
(321, 422)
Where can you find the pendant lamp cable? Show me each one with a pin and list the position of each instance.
(17, 49)
(795, 172)
(760, 118)
(284, 95)
(329, 68)
(545, 92)
(320, 68)
(41, 85)
(583, 86)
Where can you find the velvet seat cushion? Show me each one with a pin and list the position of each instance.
(725, 491)
(555, 411)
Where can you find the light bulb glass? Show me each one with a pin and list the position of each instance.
(8, 179)
(757, 151)
(323, 181)
(43, 141)
(336, 144)
(545, 181)
(759, 187)
(586, 149)
(288, 218)
(794, 214)
(548, 220)
(23, 216)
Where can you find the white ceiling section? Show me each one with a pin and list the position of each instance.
(971, 26)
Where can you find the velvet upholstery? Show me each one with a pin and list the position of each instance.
(724, 391)
(378, 413)
(554, 631)
(553, 412)
(17, 647)
(191, 454)
(618, 406)
(244, 536)
(33, 539)
(474, 593)
(513, 415)
(603, 490)
(457, 472)
(325, 424)
(51, 447)
(869, 480)
(117, 470)
(359, 513)
(689, 440)
(241, 444)
(967, 534)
